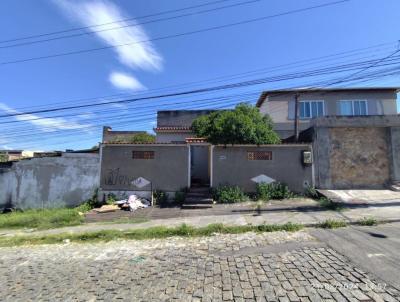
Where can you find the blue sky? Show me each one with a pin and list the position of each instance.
(164, 65)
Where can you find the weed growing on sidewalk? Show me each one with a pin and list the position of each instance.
(367, 221)
(183, 230)
(332, 224)
(329, 204)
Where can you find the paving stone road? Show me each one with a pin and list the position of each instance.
(275, 266)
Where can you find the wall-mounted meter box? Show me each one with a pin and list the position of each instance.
(307, 157)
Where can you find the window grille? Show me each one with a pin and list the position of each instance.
(143, 154)
(259, 155)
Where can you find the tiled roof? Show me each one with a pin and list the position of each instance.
(173, 128)
(196, 140)
(141, 144)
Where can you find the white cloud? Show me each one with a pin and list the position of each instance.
(91, 12)
(119, 106)
(48, 124)
(125, 81)
(86, 115)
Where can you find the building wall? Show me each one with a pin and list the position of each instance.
(168, 171)
(281, 107)
(173, 137)
(179, 118)
(110, 135)
(355, 161)
(356, 152)
(50, 182)
(231, 166)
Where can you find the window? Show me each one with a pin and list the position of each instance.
(310, 109)
(143, 154)
(259, 155)
(353, 108)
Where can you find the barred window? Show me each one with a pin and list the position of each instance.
(259, 155)
(143, 154)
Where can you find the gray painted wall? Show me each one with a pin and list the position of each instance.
(231, 166)
(180, 118)
(51, 181)
(168, 171)
(280, 106)
(173, 137)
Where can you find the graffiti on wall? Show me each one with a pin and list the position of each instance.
(114, 177)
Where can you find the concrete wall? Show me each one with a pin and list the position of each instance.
(231, 166)
(356, 152)
(168, 171)
(50, 182)
(179, 118)
(280, 106)
(173, 137)
(110, 135)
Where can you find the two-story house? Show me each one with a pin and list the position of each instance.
(280, 105)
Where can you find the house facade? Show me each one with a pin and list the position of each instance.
(110, 135)
(13, 155)
(174, 126)
(313, 103)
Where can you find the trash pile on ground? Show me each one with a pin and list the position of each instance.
(133, 203)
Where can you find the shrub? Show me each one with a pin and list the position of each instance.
(111, 198)
(311, 192)
(160, 197)
(140, 138)
(242, 125)
(273, 190)
(180, 197)
(228, 194)
(89, 204)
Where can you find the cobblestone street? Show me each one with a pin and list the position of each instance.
(276, 266)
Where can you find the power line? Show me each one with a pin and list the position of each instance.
(322, 71)
(129, 25)
(109, 23)
(320, 83)
(248, 21)
(321, 59)
(336, 69)
(393, 71)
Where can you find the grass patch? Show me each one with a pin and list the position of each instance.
(41, 219)
(367, 221)
(329, 204)
(183, 230)
(132, 220)
(332, 224)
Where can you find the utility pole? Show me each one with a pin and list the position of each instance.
(296, 117)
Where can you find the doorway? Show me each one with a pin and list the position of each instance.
(199, 165)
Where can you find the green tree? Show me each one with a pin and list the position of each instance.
(140, 138)
(3, 157)
(243, 125)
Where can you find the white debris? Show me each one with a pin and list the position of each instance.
(136, 202)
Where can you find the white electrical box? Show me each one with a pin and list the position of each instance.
(307, 157)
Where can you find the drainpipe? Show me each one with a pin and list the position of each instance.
(296, 117)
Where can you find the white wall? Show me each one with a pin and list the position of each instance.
(51, 181)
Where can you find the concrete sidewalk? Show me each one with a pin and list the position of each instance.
(306, 217)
